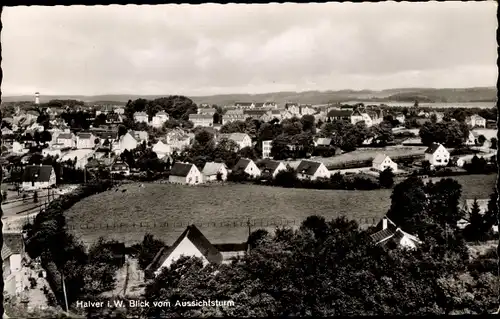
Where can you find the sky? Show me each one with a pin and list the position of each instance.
(211, 49)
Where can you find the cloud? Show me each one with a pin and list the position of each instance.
(212, 49)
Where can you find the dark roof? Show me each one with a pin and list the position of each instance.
(197, 238)
(6, 252)
(65, 136)
(242, 164)
(339, 113)
(180, 169)
(231, 247)
(308, 167)
(14, 241)
(84, 135)
(119, 165)
(267, 164)
(254, 112)
(259, 104)
(431, 149)
(382, 235)
(37, 173)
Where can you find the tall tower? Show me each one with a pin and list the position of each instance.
(37, 98)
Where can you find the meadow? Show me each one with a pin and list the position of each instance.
(222, 211)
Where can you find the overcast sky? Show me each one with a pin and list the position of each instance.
(219, 49)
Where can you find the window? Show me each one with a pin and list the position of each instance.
(189, 180)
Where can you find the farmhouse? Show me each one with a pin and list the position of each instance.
(382, 161)
(390, 233)
(191, 243)
(141, 117)
(211, 169)
(85, 141)
(266, 148)
(437, 155)
(270, 167)
(247, 166)
(185, 173)
(312, 170)
(120, 168)
(38, 177)
(67, 139)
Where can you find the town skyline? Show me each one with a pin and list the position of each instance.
(247, 49)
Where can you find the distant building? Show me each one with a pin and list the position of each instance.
(162, 149)
(207, 111)
(66, 139)
(185, 173)
(270, 167)
(312, 170)
(159, 119)
(233, 117)
(476, 121)
(141, 117)
(85, 141)
(381, 162)
(390, 233)
(211, 169)
(203, 120)
(38, 177)
(248, 166)
(241, 139)
(244, 105)
(437, 155)
(120, 167)
(266, 148)
(338, 115)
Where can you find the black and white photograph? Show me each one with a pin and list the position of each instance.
(249, 160)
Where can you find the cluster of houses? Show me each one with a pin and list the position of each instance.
(156, 121)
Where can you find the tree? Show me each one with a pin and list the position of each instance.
(494, 143)
(475, 229)
(386, 178)
(148, 249)
(204, 137)
(35, 197)
(122, 130)
(307, 122)
(481, 139)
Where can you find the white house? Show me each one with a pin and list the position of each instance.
(382, 161)
(242, 139)
(126, 142)
(207, 111)
(162, 149)
(38, 177)
(141, 117)
(191, 243)
(119, 110)
(248, 166)
(185, 173)
(271, 167)
(358, 116)
(66, 139)
(471, 139)
(159, 119)
(18, 148)
(211, 169)
(476, 121)
(312, 170)
(266, 148)
(203, 120)
(244, 105)
(85, 141)
(233, 117)
(437, 155)
(389, 232)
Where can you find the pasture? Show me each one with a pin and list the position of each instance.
(222, 211)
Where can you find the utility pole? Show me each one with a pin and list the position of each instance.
(64, 291)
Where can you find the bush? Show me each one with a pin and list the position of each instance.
(238, 177)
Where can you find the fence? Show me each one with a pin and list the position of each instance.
(207, 224)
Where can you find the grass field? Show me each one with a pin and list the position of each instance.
(221, 211)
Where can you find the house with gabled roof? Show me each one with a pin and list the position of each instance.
(437, 155)
(388, 232)
(126, 142)
(85, 140)
(338, 115)
(381, 162)
(66, 139)
(248, 166)
(322, 141)
(476, 121)
(312, 170)
(270, 168)
(120, 168)
(185, 173)
(211, 169)
(203, 120)
(38, 177)
(161, 148)
(159, 119)
(191, 243)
